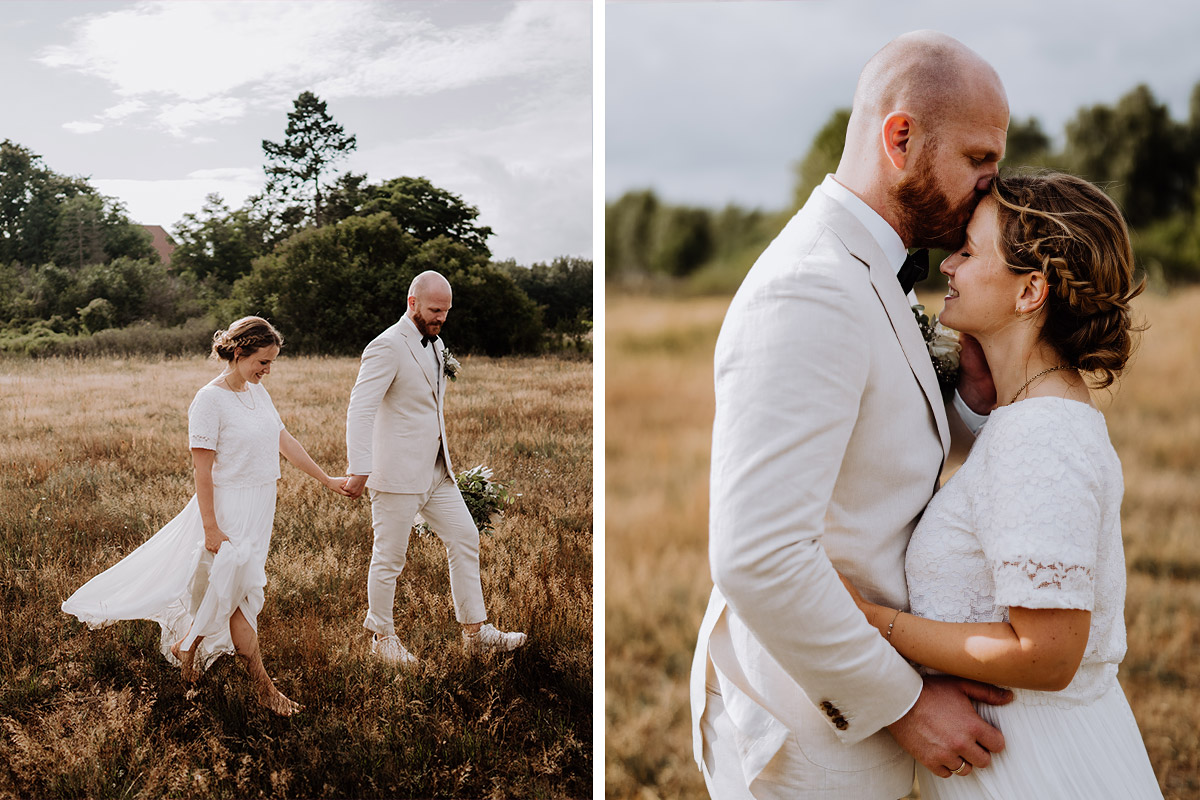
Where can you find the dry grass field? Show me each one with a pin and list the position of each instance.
(94, 459)
(659, 409)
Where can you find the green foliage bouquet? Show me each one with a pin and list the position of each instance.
(486, 499)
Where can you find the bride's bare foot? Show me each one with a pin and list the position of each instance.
(277, 702)
(187, 662)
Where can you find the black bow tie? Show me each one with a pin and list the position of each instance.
(425, 340)
(914, 270)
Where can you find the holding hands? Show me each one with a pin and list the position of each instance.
(337, 485)
(354, 485)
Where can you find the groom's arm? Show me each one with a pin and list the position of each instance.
(375, 375)
(792, 367)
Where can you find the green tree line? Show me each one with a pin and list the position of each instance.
(1148, 162)
(327, 257)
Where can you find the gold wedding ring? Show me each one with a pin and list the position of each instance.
(961, 767)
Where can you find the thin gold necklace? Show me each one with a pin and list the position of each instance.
(1034, 378)
(238, 394)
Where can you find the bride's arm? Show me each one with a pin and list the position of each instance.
(202, 464)
(294, 452)
(1038, 648)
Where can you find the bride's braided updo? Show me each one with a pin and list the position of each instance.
(248, 333)
(1071, 232)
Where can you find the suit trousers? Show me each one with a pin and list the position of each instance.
(392, 516)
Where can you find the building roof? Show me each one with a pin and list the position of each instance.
(161, 241)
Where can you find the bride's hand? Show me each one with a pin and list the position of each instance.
(337, 485)
(859, 600)
(213, 539)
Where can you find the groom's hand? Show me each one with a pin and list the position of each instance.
(354, 485)
(943, 729)
(975, 384)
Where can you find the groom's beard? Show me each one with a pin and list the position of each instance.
(427, 327)
(926, 215)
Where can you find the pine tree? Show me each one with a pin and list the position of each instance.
(301, 164)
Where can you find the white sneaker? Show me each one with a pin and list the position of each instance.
(487, 638)
(389, 649)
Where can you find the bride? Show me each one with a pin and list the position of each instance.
(201, 577)
(1016, 572)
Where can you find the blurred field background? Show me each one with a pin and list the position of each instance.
(659, 416)
(94, 459)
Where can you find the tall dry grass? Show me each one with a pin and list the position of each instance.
(659, 415)
(94, 459)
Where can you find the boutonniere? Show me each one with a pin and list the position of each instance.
(450, 365)
(943, 347)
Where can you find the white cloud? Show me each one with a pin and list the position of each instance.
(164, 202)
(83, 127)
(176, 118)
(196, 56)
(534, 39)
(530, 175)
(241, 174)
(124, 109)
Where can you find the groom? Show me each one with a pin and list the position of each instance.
(829, 437)
(396, 443)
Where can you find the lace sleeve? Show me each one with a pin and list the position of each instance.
(204, 421)
(1038, 512)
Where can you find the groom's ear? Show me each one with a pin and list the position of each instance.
(898, 133)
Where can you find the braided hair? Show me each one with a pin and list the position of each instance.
(248, 334)
(1070, 231)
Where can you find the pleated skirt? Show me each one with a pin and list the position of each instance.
(1091, 751)
(173, 580)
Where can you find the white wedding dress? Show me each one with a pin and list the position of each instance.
(171, 578)
(1032, 520)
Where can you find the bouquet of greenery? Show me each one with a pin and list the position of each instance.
(943, 348)
(486, 499)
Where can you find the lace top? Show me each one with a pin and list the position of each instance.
(1032, 519)
(244, 431)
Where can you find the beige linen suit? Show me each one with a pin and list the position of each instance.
(396, 434)
(829, 437)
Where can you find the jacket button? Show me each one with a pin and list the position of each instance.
(841, 724)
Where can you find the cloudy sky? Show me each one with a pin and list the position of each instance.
(161, 103)
(710, 103)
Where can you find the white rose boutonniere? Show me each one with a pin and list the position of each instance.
(450, 365)
(943, 348)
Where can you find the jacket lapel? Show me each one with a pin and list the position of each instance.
(904, 324)
(439, 379)
(863, 246)
(413, 337)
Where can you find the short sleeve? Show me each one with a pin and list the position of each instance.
(1038, 512)
(204, 421)
(271, 404)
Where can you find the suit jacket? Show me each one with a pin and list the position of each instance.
(395, 426)
(828, 440)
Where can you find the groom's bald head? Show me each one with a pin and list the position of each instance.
(925, 137)
(930, 75)
(429, 301)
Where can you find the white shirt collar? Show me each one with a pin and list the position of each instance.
(884, 234)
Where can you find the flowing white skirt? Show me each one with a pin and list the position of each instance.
(188, 591)
(1089, 751)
